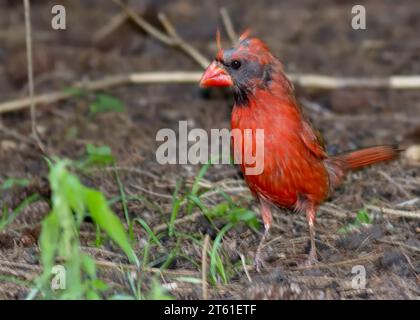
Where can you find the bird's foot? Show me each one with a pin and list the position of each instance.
(259, 262)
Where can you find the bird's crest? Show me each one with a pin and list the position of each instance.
(244, 35)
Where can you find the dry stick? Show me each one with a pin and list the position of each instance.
(227, 22)
(183, 45)
(397, 213)
(109, 264)
(400, 244)
(204, 266)
(309, 81)
(188, 218)
(22, 265)
(17, 136)
(107, 82)
(146, 26)
(28, 30)
(397, 185)
(113, 25)
(245, 267)
(172, 39)
(327, 82)
(340, 263)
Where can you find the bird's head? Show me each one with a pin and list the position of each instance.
(246, 66)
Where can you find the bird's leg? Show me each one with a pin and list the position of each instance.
(310, 216)
(267, 219)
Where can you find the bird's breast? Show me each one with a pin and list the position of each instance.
(289, 169)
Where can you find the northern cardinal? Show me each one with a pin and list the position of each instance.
(298, 174)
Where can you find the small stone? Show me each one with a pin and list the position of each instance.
(413, 153)
(8, 145)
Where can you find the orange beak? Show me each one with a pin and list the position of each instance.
(215, 76)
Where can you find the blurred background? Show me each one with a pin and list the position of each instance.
(309, 37)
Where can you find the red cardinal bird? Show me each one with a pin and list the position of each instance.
(298, 174)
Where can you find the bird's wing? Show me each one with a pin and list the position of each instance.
(312, 140)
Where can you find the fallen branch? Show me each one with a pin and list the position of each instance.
(183, 45)
(204, 266)
(309, 81)
(174, 272)
(396, 213)
(14, 134)
(188, 218)
(101, 84)
(32, 104)
(330, 83)
(113, 25)
(368, 257)
(400, 244)
(171, 39)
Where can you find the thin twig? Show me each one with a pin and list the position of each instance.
(171, 39)
(397, 185)
(178, 272)
(183, 45)
(14, 134)
(109, 28)
(204, 266)
(162, 77)
(227, 22)
(188, 218)
(245, 267)
(340, 263)
(399, 244)
(28, 30)
(22, 265)
(415, 214)
(101, 84)
(157, 194)
(329, 83)
(408, 202)
(146, 26)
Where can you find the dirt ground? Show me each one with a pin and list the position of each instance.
(309, 36)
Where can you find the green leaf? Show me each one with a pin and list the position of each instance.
(121, 297)
(244, 215)
(6, 219)
(108, 221)
(99, 155)
(99, 285)
(11, 182)
(48, 241)
(196, 187)
(215, 260)
(363, 217)
(105, 103)
(148, 230)
(89, 265)
(92, 295)
(158, 292)
(219, 210)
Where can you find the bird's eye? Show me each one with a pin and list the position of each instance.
(236, 64)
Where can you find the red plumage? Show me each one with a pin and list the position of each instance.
(298, 174)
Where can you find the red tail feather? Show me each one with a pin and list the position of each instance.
(338, 166)
(367, 156)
